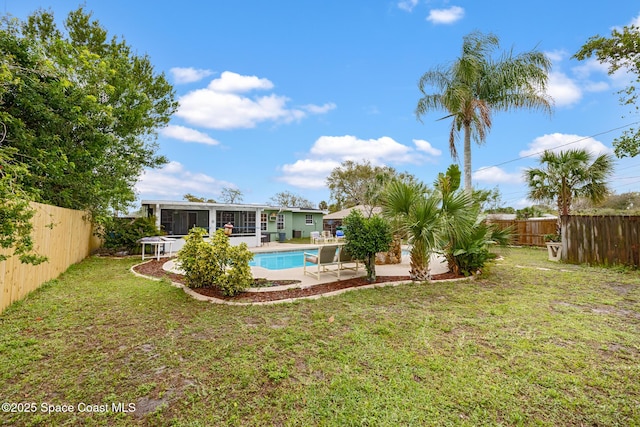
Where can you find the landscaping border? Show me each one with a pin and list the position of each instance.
(213, 300)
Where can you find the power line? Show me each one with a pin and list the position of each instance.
(557, 146)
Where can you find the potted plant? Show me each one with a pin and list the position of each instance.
(554, 246)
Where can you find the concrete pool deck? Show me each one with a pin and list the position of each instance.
(438, 266)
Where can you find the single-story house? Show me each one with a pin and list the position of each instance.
(252, 223)
(334, 220)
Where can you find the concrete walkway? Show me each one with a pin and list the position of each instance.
(438, 266)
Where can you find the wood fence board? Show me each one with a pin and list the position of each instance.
(602, 240)
(528, 232)
(62, 235)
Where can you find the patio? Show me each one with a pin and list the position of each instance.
(438, 266)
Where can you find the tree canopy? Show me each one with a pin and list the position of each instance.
(620, 51)
(82, 111)
(567, 175)
(192, 198)
(231, 195)
(79, 114)
(292, 200)
(353, 183)
(475, 85)
(365, 237)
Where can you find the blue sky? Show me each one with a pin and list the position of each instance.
(274, 95)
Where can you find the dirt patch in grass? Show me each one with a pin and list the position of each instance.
(154, 268)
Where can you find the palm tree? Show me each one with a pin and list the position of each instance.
(567, 175)
(414, 215)
(431, 220)
(475, 85)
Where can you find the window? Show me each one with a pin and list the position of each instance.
(178, 222)
(244, 222)
(308, 219)
(263, 221)
(280, 222)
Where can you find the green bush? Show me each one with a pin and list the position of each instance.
(365, 237)
(195, 260)
(471, 252)
(215, 263)
(124, 233)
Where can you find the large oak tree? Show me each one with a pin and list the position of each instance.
(79, 114)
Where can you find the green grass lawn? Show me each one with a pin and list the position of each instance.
(531, 343)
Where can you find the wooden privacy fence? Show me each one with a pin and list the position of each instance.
(607, 240)
(528, 232)
(60, 234)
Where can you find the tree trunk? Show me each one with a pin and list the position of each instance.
(419, 269)
(370, 265)
(467, 158)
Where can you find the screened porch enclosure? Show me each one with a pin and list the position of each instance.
(244, 222)
(178, 222)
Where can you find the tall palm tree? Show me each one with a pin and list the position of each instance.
(569, 174)
(475, 85)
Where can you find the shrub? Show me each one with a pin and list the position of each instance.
(552, 238)
(470, 253)
(238, 275)
(124, 233)
(216, 264)
(365, 237)
(195, 260)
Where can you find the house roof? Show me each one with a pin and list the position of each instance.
(230, 206)
(502, 216)
(365, 210)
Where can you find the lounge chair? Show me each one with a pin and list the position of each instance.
(345, 259)
(327, 237)
(326, 257)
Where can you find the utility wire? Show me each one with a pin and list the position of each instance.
(557, 146)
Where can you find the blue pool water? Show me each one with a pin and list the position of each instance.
(280, 260)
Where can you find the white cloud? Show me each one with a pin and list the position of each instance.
(595, 86)
(378, 151)
(556, 55)
(230, 82)
(446, 16)
(496, 175)
(407, 5)
(591, 69)
(561, 142)
(319, 109)
(173, 182)
(188, 75)
(188, 135)
(220, 105)
(328, 152)
(524, 203)
(422, 145)
(308, 173)
(588, 67)
(563, 90)
(635, 21)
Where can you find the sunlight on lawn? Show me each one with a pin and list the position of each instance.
(531, 342)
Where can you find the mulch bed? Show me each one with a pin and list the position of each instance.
(154, 268)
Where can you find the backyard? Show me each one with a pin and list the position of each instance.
(530, 343)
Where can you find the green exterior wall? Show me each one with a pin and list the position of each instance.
(293, 221)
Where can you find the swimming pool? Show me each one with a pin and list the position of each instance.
(280, 260)
(285, 259)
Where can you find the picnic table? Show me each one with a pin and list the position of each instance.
(158, 242)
